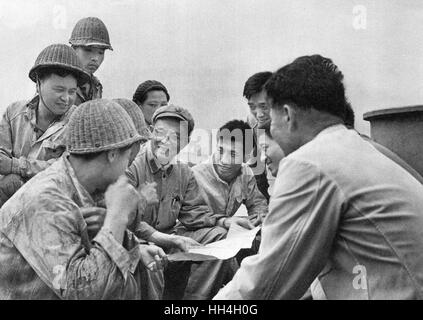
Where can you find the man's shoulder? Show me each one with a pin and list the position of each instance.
(44, 192)
(16, 108)
(184, 167)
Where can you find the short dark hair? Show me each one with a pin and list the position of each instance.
(309, 82)
(349, 116)
(44, 73)
(240, 125)
(255, 83)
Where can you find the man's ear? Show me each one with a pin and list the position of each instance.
(38, 85)
(112, 155)
(290, 115)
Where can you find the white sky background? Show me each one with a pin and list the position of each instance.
(204, 50)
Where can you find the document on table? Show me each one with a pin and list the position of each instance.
(238, 238)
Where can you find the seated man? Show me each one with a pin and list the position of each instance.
(45, 249)
(227, 181)
(31, 132)
(182, 210)
(341, 211)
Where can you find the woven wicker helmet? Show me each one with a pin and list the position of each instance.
(136, 115)
(59, 56)
(90, 31)
(100, 125)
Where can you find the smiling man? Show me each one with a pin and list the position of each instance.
(32, 132)
(90, 39)
(182, 218)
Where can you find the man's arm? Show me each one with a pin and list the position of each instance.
(195, 213)
(54, 244)
(9, 164)
(297, 236)
(256, 203)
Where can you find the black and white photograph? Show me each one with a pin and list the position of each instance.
(211, 154)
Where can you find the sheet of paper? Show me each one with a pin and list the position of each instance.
(238, 238)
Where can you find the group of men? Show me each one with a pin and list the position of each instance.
(93, 201)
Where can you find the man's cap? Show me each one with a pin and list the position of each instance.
(172, 111)
(90, 31)
(136, 115)
(59, 56)
(100, 125)
(148, 86)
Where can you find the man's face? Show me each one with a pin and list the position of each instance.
(91, 57)
(229, 157)
(59, 93)
(166, 139)
(272, 154)
(155, 99)
(259, 108)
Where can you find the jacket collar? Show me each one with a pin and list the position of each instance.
(80, 191)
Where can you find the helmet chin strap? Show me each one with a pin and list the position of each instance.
(41, 97)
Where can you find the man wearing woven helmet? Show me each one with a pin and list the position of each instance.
(182, 218)
(31, 132)
(46, 252)
(90, 39)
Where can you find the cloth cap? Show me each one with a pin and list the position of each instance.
(136, 115)
(59, 56)
(100, 125)
(90, 31)
(172, 111)
(146, 87)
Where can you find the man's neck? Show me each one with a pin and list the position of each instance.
(313, 131)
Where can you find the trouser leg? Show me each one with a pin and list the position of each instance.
(176, 278)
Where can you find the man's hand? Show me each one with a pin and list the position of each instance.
(94, 217)
(153, 257)
(148, 191)
(257, 219)
(184, 243)
(121, 201)
(5, 164)
(241, 221)
(173, 241)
